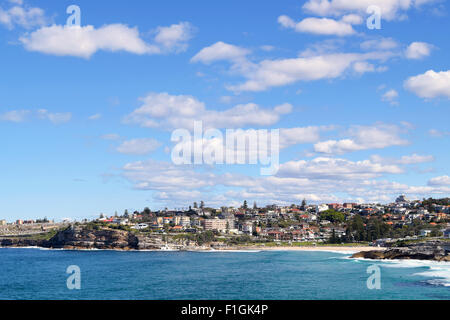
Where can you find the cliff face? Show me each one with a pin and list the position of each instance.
(82, 238)
(435, 250)
(20, 242)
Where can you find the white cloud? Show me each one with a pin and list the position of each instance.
(321, 26)
(331, 168)
(85, 41)
(56, 118)
(311, 65)
(23, 17)
(429, 85)
(165, 177)
(404, 160)
(267, 48)
(139, 146)
(363, 67)
(15, 116)
(390, 9)
(390, 96)
(378, 136)
(275, 73)
(379, 44)
(43, 114)
(416, 159)
(418, 50)
(320, 179)
(440, 181)
(95, 116)
(174, 37)
(293, 136)
(168, 112)
(221, 51)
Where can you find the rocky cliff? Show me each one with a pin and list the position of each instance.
(85, 237)
(434, 250)
(19, 242)
(78, 237)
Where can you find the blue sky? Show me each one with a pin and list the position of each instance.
(87, 112)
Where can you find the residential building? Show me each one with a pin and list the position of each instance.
(218, 224)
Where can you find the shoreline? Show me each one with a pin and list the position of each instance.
(339, 249)
(342, 249)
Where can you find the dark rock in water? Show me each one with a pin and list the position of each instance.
(19, 242)
(432, 250)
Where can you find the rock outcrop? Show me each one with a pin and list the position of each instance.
(433, 250)
(81, 237)
(20, 242)
(78, 237)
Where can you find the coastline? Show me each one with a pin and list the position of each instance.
(339, 249)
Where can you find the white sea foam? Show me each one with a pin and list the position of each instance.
(438, 271)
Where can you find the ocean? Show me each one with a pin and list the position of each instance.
(30, 274)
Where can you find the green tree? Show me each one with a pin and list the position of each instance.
(303, 204)
(332, 216)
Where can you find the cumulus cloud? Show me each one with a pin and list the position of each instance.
(20, 16)
(390, 9)
(139, 146)
(162, 110)
(322, 26)
(416, 159)
(275, 73)
(440, 181)
(84, 41)
(418, 50)
(379, 44)
(390, 96)
(174, 37)
(301, 135)
(429, 85)
(404, 160)
(332, 168)
(378, 136)
(314, 180)
(165, 177)
(221, 51)
(317, 63)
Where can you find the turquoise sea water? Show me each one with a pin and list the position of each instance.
(41, 274)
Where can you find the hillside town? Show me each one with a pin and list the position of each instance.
(332, 223)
